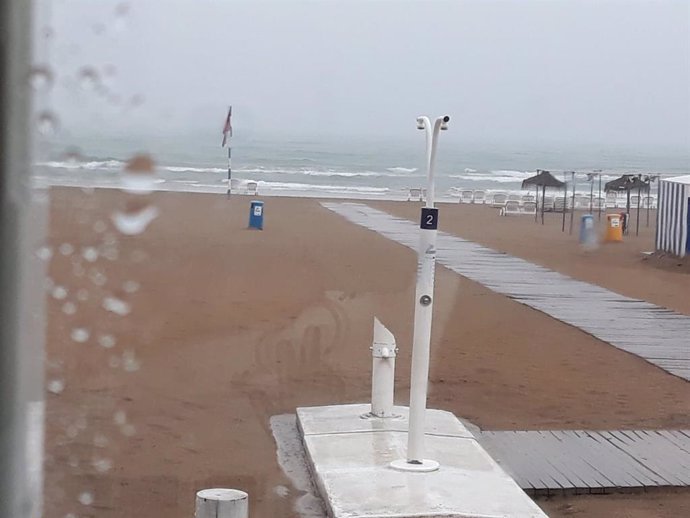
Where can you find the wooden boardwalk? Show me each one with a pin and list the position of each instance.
(657, 334)
(579, 461)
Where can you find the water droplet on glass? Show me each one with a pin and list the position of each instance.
(128, 430)
(69, 308)
(80, 335)
(131, 286)
(136, 100)
(130, 362)
(86, 498)
(72, 432)
(72, 155)
(82, 295)
(135, 221)
(59, 292)
(110, 239)
(47, 123)
(102, 465)
(107, 341)
(138, 175)
(97, 277)
(100, 440)
(41, 78)
(138, 256)
(98, 28)
(90, 254)
(114, 362)
(78, 270)
(44, 253)
(117, 306)
(89, 79)
(111, 253)
(70, 515)
(99, 226)
(56, 386)
(48, 32)
(121, 12)
(48, 284)
(120, 418)
(66, 249)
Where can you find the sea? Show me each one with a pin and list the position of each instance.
(339, 167)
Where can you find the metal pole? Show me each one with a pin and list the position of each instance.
(20, 407)
(424, 294)
(637, 226)
(565, 198)
(601, 202)
(230, 166)
(383, 352)
(572, 209)
(591, 194)
(543, 196)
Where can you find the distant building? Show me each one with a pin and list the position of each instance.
(673, 216)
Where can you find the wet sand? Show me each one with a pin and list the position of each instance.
(230, 326)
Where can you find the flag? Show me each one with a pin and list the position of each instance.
(227, 128)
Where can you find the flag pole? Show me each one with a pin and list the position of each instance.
(229, 166)
(227, 139)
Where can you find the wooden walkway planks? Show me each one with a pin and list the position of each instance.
(581, 461)
(656, 334)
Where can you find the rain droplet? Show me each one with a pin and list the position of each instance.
(138, 175)
(130, 362)
(66, 249)
(47, 123)
(79, 334)
(59, 292)
(109, 239)
(41, 78)
(97, 277)
(121, 12)
(78, 270)
(89, 79)
(70, 515)
(69, 308)
(56, 386)
(128, 430)
(135, 222)
(90, 254)
(117, 306)
(86, 498)
(102, 465)
(111, 253)
(100, 440)
(73, 461)
(72, 155)
(99, 226)
(138, 256)
(83, 295)
(44, 253)
(107, 341)
(131, 286)
(120, 418)
(48, 284)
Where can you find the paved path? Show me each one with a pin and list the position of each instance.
(579, 461)
(657, 334)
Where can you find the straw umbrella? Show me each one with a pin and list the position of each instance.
(542, 179)
(627, 183)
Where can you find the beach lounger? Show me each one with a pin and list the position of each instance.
(582, 202)
(467, 196)
(529, 207)
(559, 204)
(510, 208)
(634, 201)
(527, 198)
(415, 194)
(598, 203)
(499, 200)
(548, 202)
(479, 197)
(611, 200)
(514, 197)
(252, 188)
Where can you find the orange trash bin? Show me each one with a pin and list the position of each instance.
(614, 228)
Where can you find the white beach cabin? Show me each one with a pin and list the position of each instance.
(673, 216)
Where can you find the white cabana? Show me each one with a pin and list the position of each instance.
(673, 215)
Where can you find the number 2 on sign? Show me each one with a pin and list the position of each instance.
(429, 219)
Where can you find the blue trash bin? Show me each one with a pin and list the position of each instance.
(256, 215)
(588, 235)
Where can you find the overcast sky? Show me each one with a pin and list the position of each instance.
(579, 71)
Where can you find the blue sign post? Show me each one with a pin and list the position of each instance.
(256, 215)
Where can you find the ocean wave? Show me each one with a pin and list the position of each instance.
(319, 172)
(91, 165)
(487, 178)
(470, 170)
(401, 169)
(293, 186)
(187, 169)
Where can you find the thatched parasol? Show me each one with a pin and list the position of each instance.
(542, 179)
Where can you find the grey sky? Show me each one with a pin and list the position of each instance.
(583, 71)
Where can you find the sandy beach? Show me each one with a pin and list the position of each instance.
(215, 328)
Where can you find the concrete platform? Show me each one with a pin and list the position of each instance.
(349, 457)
